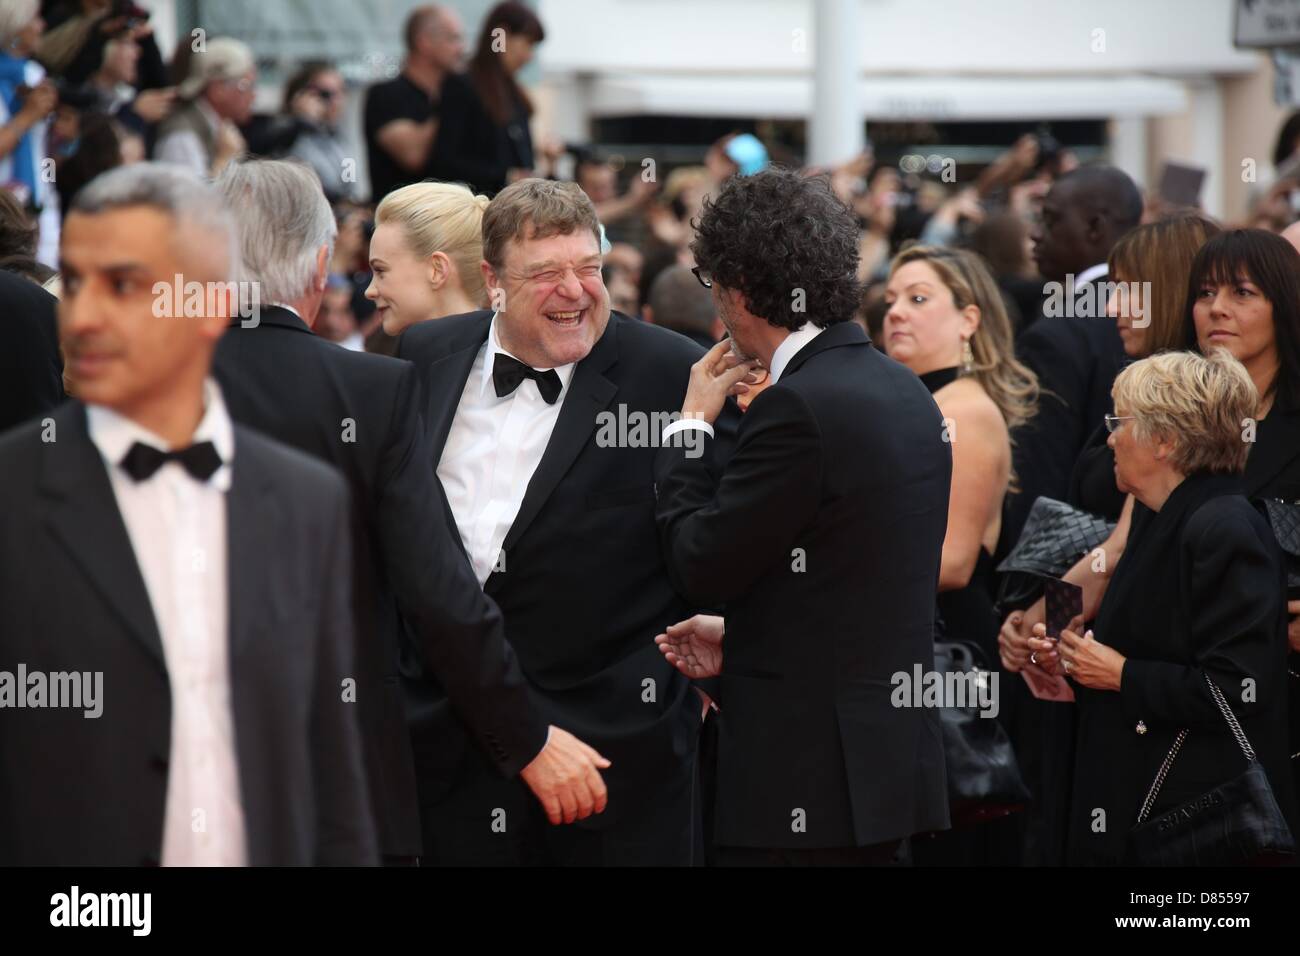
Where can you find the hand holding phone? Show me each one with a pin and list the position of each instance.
(1064, 603)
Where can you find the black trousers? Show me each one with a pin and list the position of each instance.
(487, 820)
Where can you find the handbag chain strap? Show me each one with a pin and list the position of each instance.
(1163, 772)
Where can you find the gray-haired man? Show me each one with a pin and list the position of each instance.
(193, 570)
(358, 412)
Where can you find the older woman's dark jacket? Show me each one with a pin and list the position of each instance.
(1199, 590)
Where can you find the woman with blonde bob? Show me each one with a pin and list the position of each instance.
(1152, 264)
(425, 254)
(1197, 594)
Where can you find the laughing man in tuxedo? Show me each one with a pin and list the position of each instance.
(822, 536)
(200, 570)
(361, 414)
(556, 513)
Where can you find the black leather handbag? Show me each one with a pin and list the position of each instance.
(1238, 823)
(1054, 537)
(1284, 518)
(984, 780)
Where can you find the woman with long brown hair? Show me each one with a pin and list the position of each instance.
(948, 324)
(483, 139)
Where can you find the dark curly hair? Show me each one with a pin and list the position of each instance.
(773, 234)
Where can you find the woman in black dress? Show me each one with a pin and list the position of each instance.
(1197, 594)
(947, 323)
(483, 139)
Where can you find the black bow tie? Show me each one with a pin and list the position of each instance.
(200, 460)
(509, 373)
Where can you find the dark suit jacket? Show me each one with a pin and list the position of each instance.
(31, 371)
(1273, 471)
(823, 537)
(81, 791)
(585, 587)
(1076, 360)
(314, 395)
(1273, 465)
(1199, 589)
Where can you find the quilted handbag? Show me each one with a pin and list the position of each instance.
(1054, 537)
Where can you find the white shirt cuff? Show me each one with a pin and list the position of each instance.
(686, 424)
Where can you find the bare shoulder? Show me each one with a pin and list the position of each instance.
(966, 402)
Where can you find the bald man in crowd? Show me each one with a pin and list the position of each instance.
(1074, 348)
(401, 115)
(677, 301)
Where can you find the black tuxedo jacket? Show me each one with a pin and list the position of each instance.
(585, 587)
(31, 371)
(823, 536)
(1199, 589)
(360, 413)
(92, 791)
(1076, 360)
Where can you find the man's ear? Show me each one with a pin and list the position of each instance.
(1098, 228)
(495, 290)
(322, 268)
(739, 303)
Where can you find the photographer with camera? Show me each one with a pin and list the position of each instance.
(26, 100)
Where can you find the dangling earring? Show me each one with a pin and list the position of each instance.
(967, 357)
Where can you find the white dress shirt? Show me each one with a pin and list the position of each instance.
(791, 346)
(177, 527)
(493, 448)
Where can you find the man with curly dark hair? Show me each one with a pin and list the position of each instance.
(822, 536)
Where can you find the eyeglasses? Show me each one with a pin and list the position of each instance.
(1112, 421)
(704, 280)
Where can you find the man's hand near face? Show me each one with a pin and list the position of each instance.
(715, 376)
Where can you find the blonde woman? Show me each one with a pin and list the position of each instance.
(947, 323)
(425, 254)
(1196, 598)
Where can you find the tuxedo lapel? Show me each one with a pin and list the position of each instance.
(84, 517)
(253, 537)
(444, 384)
(589, 393)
